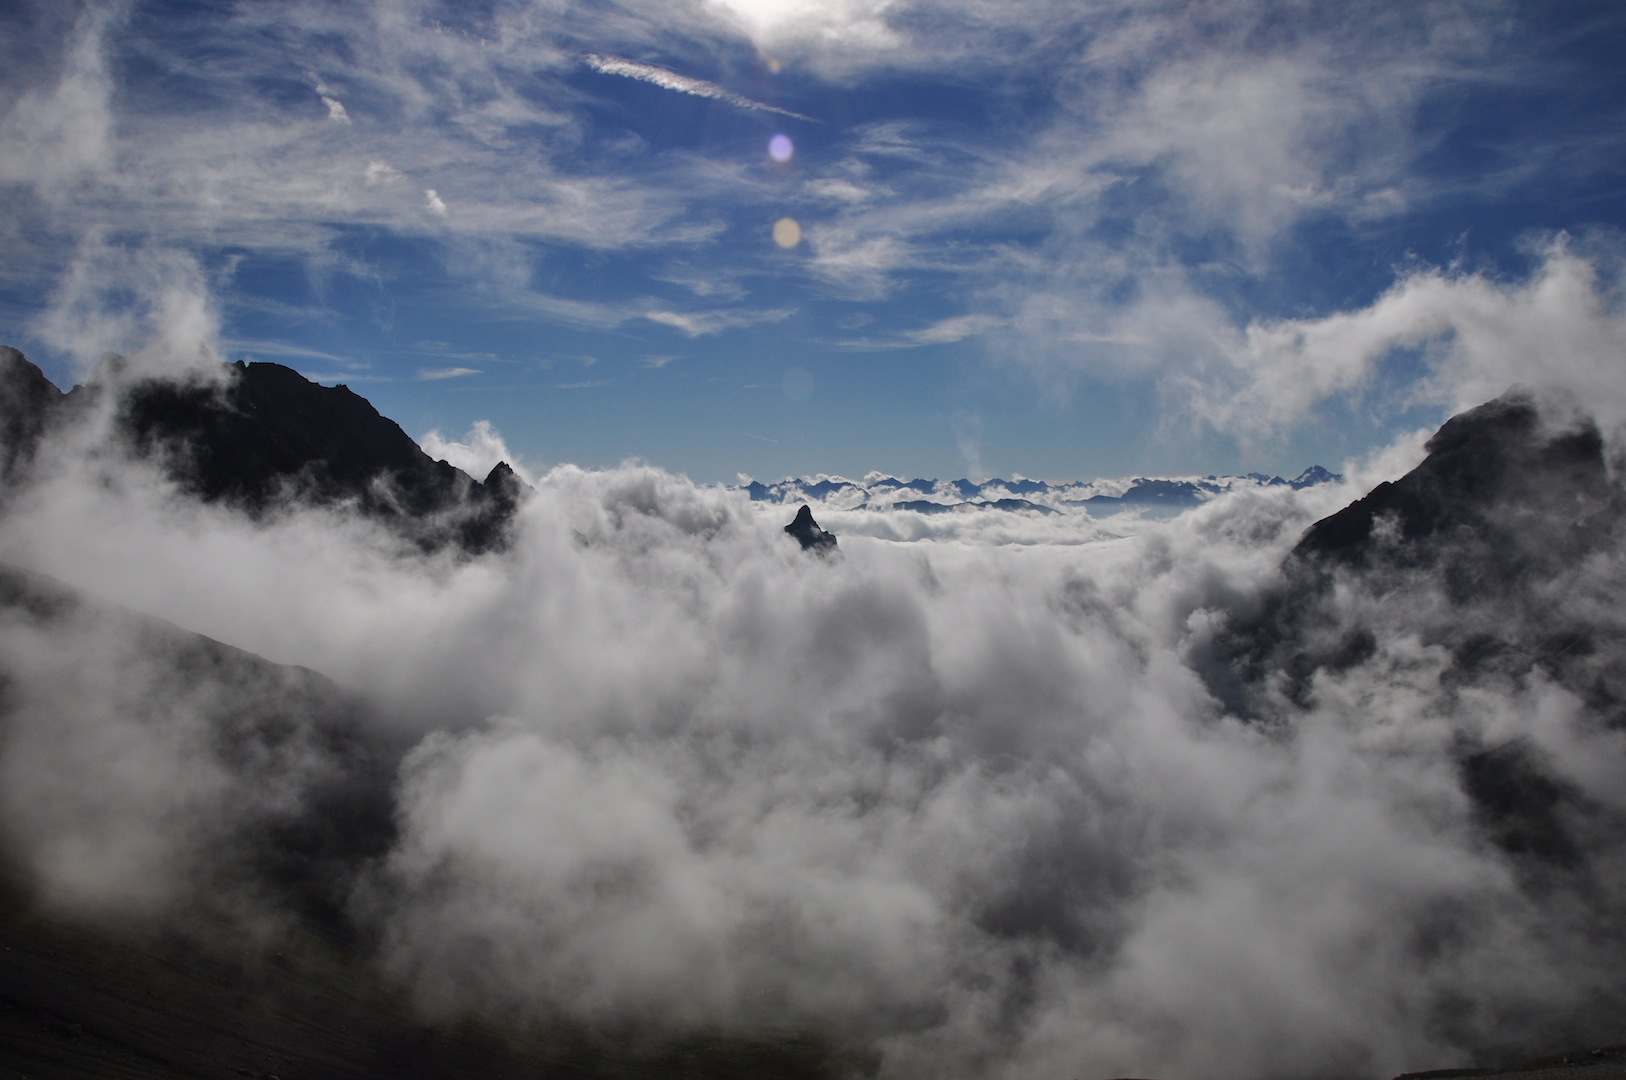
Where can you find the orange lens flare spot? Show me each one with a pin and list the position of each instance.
(787, 232)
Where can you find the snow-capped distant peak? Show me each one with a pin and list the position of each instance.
(1154, 495)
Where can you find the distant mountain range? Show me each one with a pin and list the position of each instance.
(1147, 495)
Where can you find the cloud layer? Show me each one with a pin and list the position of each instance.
(971, 806)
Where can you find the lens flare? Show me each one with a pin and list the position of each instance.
(780, 148)
(787, 232)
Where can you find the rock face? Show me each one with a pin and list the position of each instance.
(1498, 555)
(808, 534)
(1499, 499)
(1475, 543)
(267, 436)
(28, 401)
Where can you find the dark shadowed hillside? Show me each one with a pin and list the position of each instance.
(262, 436)
(1487, 547)
(1499, 548)
(249, 962)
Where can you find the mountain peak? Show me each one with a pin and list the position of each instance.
(808, 534)
(261, 435)
(1500, 491)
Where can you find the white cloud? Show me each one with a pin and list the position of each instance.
(955, 328)
(970, 805)
(838, 189)
(683, 84)
(55, 136)
(434, 202)
(1473, 336)
(821, 24)
(476, 453)
(282, 348)
(702, 323)
(153, 304)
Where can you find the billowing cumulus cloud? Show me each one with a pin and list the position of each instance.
(476, 453)
(967, 803)
(1472, 335)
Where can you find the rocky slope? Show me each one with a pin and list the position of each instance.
(261, 437)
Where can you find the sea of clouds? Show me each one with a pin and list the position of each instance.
(964, 801)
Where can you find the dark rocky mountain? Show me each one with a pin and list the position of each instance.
(266, 435)
(1501, 498)
(28, 401)
(1494, 523)
(1497, 548)
(808, 534)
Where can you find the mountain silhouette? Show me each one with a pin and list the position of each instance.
(808, 534)
(265, 436)
(1487, 551)
(1501, 496)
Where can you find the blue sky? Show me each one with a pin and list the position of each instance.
(1059, 238)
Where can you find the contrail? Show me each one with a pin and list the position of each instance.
(671, 80)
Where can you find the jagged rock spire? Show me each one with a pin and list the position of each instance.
(808, 534)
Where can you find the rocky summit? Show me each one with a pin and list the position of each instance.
(264, 436)
(808, 534)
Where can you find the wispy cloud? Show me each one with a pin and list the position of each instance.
(609, 314)
(265, 347)
(335, 108)
(683, 84)
(437, 374)
(943, 332)
(1114, 226)
(957, 328)
(702, 323)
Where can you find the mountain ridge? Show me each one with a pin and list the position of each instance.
(1101, 497)
(263, 436)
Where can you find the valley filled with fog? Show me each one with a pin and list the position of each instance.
(985, 803)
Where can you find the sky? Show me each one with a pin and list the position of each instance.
(1054, 238)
